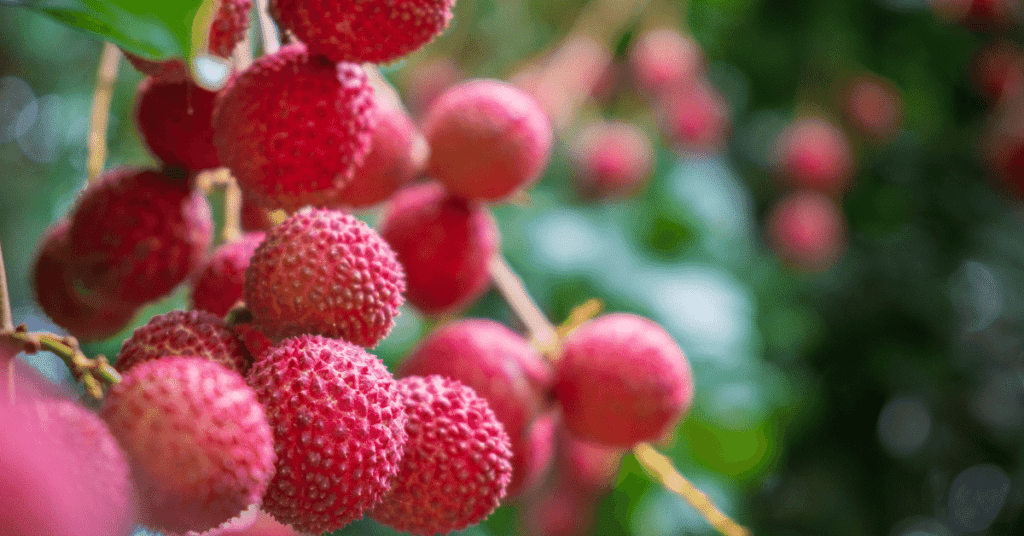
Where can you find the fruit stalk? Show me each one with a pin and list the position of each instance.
(268, 32)
(232, 229)
(542, 332)
(93, 373)
(99, 116)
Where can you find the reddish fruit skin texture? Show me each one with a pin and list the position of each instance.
(228, 29)
(294, 127)
(398, 156)
(612, 160)
(220, 283)
(136, 234)
(444, 243)
(532, 454)
(663, 59)
(254, 340)
(60, 301)
(487, 139)
(456, 466)
(339, 431)
(177, 333)
(375, 31)
(175, 122)
(322, 271)
(496, 362)
(807, 230)
(814, 153)
(198, 441)
(622, 380)
(255, 217)
(695, 118)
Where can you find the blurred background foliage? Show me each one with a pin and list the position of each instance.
(884, 396)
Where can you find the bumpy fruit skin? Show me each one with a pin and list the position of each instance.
(220, 283)
(339, 431)
(198, 441)
(662, 60)
(444, 243)
(228, 29)
(612, 160)
(695, 118)
(175, 122)
(807, 230)
(814, 153)
(293, 127)
(375, 31)
(322, 271)
(622, 380)
(178, 333)
(456, 466)
(58, 298)
(487, 139)
(136, 234)
(398, 156)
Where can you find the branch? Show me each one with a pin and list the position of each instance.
(542, 332)
(93, 373)
(99, 117)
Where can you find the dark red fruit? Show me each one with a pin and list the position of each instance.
(175, 122)
(220, 283)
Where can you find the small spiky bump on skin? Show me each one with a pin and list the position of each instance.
(339, 431)
(198, 441)
(612, 160)
(487, 139)
(456, 466)
(322, 271)
(58, 298)
(375, 31)
(293, 127)
(814, 153)
(178, 333)
(227, 30)
(219, 284)
(136, 234)
(622, 380)
(444, 243)
(175, 122)
(398, 156)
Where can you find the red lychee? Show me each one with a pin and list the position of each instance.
(456, 467)
(622, 380)
(339, 431)
(255, 217)
(532, 454)
(323, 271)
(807, 230)
(695, 118)
(293, 127)
(198, 441)
(228, 29)
(814, 153)
(375, 31)
(611, 160)
(136, 234)
(874, 107)
(219, 284)
(487, 139)
(980, 15)
(175, 122)
(998, 70)
(184, 333)
(398, 156)
(663, 59)
(444, 243)
(58, 298)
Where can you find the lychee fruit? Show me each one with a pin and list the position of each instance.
(814, 153)
(339, 431)
(175, 122)
(375, 31)
(58, 298)
(998, 70)
(663, 59)
(622, 380)
(487, 139)
(532, 453)
(695, 118)
(456, 467)
(611, 160)
(227, 30)
(293, 127)
(874, 107)
(184, 333)
(398, 156)
(219, 284)
(322, 271)
(198, 442)
(136, 234)
(585, 465)
(807, 230)
(255, 341)
(444, 243)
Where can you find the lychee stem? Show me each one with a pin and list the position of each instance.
(542, 331)
(99, 117)
(232, 210)
(93, 373)
(660, 467)
(268, 31)
(6, 325)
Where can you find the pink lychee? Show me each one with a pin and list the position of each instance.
(219, 284)
(184, 333)
(611, 160)
(874, 107)
(695, 118)
(813, 153)
(663, 59)
(807, 230)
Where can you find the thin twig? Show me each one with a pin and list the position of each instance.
(99, 117)
(6, 320)
(232, 210)
(93, 373)
(660, 467)
(268, 31)
(542, 332)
